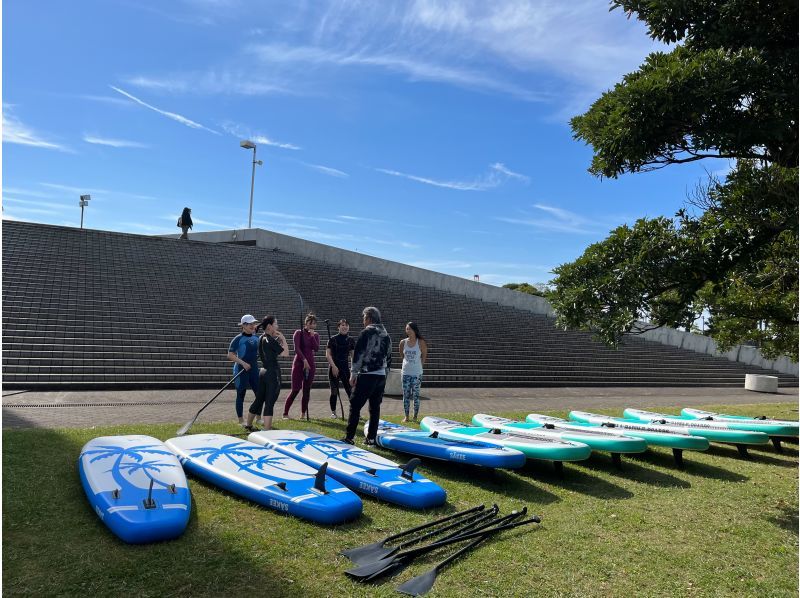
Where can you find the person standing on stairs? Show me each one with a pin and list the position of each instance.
(306, 344)
(339, 353)
(185, 222)
(414, 350)
(243, 352)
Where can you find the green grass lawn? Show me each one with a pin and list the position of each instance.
(723, 526)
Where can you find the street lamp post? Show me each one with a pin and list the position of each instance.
(247, 144)
(83, 203)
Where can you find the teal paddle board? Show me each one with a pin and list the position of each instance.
(712, 431)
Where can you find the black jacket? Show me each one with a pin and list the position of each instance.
(373, 350)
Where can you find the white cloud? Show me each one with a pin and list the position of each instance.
(172, 115)
(243, 132)
(334, 172)
(113, 142)
(497, 175)
(94, 192)
(14, 131)
(559, 220)
(215, 81)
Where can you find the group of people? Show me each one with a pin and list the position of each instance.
(360, 366)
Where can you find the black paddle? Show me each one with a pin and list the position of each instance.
(482, 531)
(462, 525)
(185, 427)
(376, 569)
(338, 396)
(302, 344)
(422, 584)
(357, 554)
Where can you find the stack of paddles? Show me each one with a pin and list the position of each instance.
(394, 553)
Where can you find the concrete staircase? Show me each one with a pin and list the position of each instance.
(95, 309)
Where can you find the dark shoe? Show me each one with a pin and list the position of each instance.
(251, 428)
(348, 441)
(369, 442)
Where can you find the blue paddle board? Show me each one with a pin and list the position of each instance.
(266, 477)
(428, 444)
(118, 472)
(356, 468)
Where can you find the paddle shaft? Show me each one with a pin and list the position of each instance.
(432, 523)
(462, 525)
(185, 428)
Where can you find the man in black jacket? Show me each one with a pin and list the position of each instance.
(368, 378)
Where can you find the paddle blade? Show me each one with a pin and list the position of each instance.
(367, 554)
(419, 585)
(374, 569)
(185, 427)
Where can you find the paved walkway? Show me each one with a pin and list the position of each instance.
(83, 409)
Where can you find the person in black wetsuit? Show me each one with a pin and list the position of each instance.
(339, 352)
(271, 345)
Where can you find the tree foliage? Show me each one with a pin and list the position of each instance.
(728, 90)
(524, 287)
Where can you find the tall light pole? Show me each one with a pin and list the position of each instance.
(83, 203)
(247, 144)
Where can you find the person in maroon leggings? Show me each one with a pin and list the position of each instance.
(306, 344)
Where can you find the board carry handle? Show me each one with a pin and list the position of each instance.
(408, 469)
(418, 528)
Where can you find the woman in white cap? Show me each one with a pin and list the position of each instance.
(243, 352)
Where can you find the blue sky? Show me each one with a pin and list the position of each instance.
(428, 132)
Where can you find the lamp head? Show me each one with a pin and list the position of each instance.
(247, 144)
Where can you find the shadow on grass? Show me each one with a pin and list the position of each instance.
(575, 479)
(691, 466)
(786, 518)
(755, 456)
(633, 471)
(497, 481)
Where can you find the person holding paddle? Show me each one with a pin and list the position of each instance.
(306, 344)
(243, 352)
(339, 353)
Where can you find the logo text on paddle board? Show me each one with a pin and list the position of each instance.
(276, 504)
(458, 456)
(367, 487)
(100, 513)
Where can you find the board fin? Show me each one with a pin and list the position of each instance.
(548, 426)
(149, 503)
(373, 472)
(319, 480)
(408, 469)
(434, 434)
(608, 425)
(172, 489)
(115, 494)
(281, 485)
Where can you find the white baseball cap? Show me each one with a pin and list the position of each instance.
(247, 319)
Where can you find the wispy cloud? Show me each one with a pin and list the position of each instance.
(220, 81)
(327, 170)
(243, 132)
(496, 176)
(556, 220)
(95, 192)
(14, 131)
(113, 142)
(301, 217)
(25, 192)
(172, 115)
(35, 203)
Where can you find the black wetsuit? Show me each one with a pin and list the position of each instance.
(340, 346)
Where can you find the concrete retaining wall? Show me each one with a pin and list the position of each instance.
(359, 261)
(703, 344)
(470, 288)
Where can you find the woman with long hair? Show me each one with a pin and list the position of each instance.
(414, 350)
(306, 344)
(185, 222)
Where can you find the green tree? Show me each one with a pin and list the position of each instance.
(524, 287)
(728, 90)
